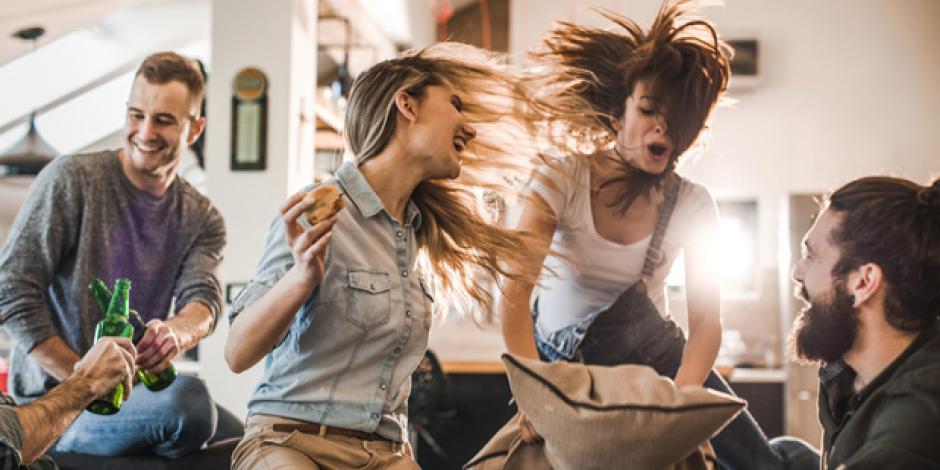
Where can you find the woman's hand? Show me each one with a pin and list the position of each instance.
(308, 245)
(263, 324)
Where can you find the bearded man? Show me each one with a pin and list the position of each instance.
(870, 273)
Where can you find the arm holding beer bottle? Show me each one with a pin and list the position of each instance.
(109, 362)
(164, 340)
(198, 292)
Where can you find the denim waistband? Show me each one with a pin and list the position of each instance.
(561, 343)
(647, 330)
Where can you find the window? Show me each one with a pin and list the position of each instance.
(736, 257)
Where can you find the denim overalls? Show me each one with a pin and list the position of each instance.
(631, 330)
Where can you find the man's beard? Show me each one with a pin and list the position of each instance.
(826, 329)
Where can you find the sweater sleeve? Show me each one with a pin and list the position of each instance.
(198, 280)
(44, 235)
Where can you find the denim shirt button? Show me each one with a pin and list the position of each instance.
(408, 313)
(382, 386)
(399, 234)
(404, 274)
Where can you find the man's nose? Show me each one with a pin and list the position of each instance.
(797, 273)
(147, 129)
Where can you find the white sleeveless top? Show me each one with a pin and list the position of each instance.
(601, 269)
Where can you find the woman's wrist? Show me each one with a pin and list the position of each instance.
(298, 278)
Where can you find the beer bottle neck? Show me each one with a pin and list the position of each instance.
(119, 301)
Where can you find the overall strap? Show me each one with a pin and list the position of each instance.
(654, 254)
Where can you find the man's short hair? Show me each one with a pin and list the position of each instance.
(165, 67)
(895, 224)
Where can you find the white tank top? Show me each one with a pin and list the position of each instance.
(602, 269)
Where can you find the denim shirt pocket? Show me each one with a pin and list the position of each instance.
(428, 301)
(368, 298)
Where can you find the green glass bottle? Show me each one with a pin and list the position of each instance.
(114, 324)
(101, 293)
(153, 382)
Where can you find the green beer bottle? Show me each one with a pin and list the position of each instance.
(114, 324)
(153, 382)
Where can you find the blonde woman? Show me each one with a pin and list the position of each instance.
(613, 218)
(340, 311)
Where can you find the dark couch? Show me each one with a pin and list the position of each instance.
(218, 456)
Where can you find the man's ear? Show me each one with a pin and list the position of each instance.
(195, 130)
(864, 283)
(407, 106)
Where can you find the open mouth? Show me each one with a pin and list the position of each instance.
(657, 150)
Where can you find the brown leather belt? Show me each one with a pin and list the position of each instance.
(314, 428)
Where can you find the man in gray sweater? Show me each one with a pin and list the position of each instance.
(122, 213)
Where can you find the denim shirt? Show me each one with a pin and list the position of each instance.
(348, 355)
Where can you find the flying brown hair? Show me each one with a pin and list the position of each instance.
(681, 59)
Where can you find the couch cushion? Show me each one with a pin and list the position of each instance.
(217, 456)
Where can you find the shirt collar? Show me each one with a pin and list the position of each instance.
(838, 379)
(830, 370)
(363, 196)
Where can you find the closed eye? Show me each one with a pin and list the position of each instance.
(458, 104)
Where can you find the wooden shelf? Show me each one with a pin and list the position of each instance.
(473, 367)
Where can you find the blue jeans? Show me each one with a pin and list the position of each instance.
(641, 336)
(170, 423)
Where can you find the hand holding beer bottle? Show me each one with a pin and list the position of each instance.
(109, 362)
(153, 381)
(114, 324)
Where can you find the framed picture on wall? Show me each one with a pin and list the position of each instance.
(745, 66)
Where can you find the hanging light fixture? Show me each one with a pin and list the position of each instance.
(32, 152)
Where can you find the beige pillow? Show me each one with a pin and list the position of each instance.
(597, 417)
(506, 451)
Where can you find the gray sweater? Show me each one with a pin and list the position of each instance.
(84, 219)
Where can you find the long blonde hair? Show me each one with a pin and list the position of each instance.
(459, 240)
